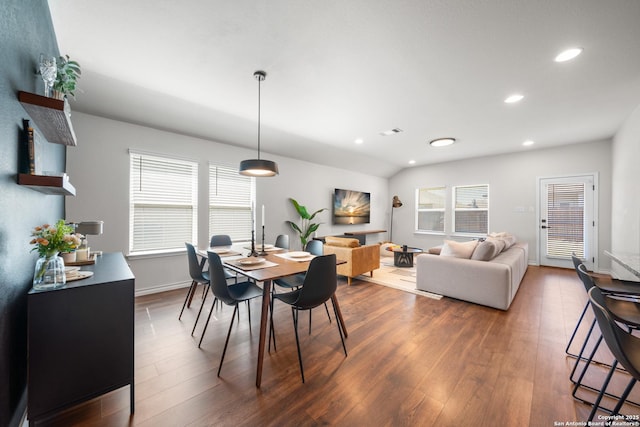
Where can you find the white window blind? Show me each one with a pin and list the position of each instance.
(431, 209)
(163, 203)
(471, 209)
(565, 219)
(231, 197)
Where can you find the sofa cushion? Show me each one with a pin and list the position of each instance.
(435, 250)
(500, 244)
(342, 242)
(458, 249)
(508, 239)
(485, 251)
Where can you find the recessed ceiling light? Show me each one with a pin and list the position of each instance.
(442, 142)
(568, 54)
(412, 162)
(528, 142)
(359, 141)
(514, 98)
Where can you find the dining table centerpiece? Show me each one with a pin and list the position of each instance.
(49, 241)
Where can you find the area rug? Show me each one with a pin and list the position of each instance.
(391, 276)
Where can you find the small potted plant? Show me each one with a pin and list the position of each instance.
(66, 80)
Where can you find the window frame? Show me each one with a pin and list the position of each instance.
(455, 210)
(191, 178)
(232, 171)
(418, 230)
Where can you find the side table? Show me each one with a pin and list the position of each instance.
(403, 256)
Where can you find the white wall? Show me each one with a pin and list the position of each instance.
(99, 169)
(513, 180)
(625, 204)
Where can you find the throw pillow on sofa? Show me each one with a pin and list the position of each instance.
(458, 249)
(485, 251)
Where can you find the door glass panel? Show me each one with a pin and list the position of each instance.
(565, 220)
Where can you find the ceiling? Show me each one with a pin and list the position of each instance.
(338, 70)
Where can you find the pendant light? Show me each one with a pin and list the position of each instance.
(258, 167)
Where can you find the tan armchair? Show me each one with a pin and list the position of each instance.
(359, 259)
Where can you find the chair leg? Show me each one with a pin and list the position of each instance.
(207, 324)
(335, 313)
(327, 310)
(272, 331)
(579, 356)
(249, 310)
(192, 289)
(224, 351)
(294, 314)
(624, 396)
(575, 330)
(584, 370)
(596, 404)
(200, 311)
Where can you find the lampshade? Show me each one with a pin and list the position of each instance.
(258, 167)
(89, 227)
(396, 203)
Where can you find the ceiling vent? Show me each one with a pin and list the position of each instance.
(391, 132)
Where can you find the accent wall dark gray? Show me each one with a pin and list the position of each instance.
(26, 30)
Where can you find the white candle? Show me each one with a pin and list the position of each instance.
(263, 215)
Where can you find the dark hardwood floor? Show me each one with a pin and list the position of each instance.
(413, 361)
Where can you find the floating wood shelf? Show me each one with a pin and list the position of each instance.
(52, 116)
(58, 185)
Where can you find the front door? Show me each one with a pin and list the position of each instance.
(568, 220)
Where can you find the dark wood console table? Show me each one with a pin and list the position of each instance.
(81, 339)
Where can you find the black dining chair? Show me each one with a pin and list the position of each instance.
(197, 277)
(320, 283)
(228, 294)
(220, 240)
(624, 346)
(282, 241)
(314, 247)
(621, 306)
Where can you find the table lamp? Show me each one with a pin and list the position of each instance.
(89, 228)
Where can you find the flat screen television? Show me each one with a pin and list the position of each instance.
(351, 207)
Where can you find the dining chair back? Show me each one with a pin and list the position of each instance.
(314, 247)
(282, 241)
(229, 294)
(319, 286)
(220, 240)
(197, 276)
(624, 346)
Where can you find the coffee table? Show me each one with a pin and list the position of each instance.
(403, 256)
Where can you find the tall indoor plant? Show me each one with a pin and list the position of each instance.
(306, 227)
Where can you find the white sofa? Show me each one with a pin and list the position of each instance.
(492, 283)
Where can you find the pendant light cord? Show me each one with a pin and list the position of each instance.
(259, 83)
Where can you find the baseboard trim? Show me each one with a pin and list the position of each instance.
(161, 288)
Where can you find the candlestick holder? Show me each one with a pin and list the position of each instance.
(262, 252)
(253, 244)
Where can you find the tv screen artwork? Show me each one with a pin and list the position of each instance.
(351, 207)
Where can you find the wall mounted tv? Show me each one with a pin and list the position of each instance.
(351, 207)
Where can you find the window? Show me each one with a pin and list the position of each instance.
(231, 198)
(471, 209)
(431, 206)
(163, 203)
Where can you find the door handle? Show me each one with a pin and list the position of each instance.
(544, 226)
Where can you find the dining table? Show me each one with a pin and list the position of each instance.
(274, 264)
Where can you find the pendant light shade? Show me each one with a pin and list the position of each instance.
(258, 167)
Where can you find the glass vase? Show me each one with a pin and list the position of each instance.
(49, 272)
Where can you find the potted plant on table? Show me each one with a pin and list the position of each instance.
(66, 80)
(49, 241)
(306, 227)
